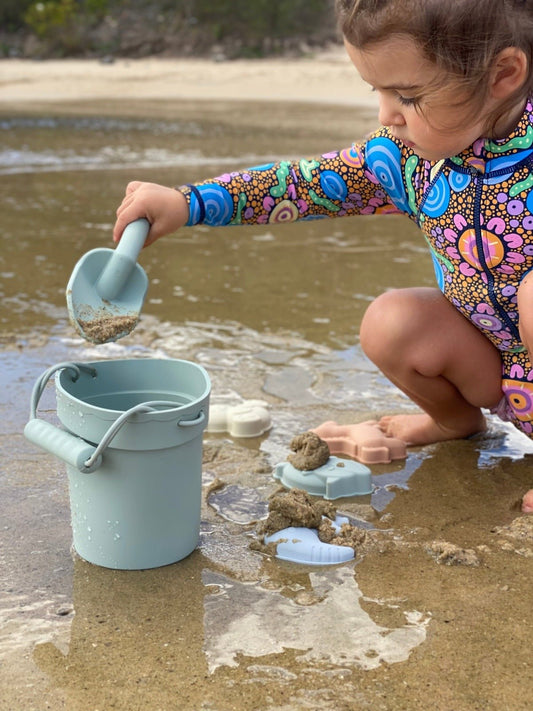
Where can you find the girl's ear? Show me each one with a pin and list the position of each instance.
(509, 73)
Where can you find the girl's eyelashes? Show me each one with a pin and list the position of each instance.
(403, 100)
(407, 100)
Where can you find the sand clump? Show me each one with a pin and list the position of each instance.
(296, 508)
(447, 553)
(517, 536)
(520, 529)
(309, 452)
(349, 535)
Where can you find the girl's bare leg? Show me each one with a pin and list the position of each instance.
(437, 358)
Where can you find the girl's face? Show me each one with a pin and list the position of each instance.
(417, 100)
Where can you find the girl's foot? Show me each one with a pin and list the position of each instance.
(422, 429)
(527, 502)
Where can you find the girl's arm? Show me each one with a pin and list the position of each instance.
(332, 185)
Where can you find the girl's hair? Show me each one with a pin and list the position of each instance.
(462, 37)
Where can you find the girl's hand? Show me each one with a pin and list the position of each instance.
(166, 210)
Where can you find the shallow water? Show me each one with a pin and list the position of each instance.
(271, 313)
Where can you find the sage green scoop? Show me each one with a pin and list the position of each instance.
(106, 291)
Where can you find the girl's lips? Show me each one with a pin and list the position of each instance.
(405, 142)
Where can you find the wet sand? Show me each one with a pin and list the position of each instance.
(436, 612)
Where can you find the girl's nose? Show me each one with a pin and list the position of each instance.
(389, 114)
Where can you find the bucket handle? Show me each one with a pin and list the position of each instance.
(42, 381)
(192, 423)
(141, 407)
(63, 444)
(72, 449)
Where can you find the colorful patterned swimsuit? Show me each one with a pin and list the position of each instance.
(475, 211)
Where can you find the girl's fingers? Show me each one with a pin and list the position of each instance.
(124, 217)
(133, 186)
(126, 202)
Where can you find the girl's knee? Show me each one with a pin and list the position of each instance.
(386, 323)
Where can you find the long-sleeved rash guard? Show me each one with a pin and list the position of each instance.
(475, 211)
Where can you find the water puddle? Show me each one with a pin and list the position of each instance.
(239, 504)
(25, 621)
(320, 617)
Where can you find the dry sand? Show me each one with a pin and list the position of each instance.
(327, 77)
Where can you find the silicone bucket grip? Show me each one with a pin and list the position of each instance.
(68, 447)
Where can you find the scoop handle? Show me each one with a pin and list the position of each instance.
(123, 260)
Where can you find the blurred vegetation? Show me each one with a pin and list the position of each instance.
(225, 28)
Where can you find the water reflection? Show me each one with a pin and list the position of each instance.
(321, 618)
(142, 636)
(145, 626)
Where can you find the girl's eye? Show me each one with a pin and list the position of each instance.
(407, 100)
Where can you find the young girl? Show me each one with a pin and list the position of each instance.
(454, 155)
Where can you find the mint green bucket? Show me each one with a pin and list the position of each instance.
(132, 443)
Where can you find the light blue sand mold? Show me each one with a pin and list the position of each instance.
(335, 479)
(302, 545)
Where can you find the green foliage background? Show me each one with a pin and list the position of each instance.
(171, 27)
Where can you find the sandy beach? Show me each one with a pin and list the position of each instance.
(327, 77)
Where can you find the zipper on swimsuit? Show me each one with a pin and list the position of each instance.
(478, 179)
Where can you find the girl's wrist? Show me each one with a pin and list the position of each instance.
(191, 194)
